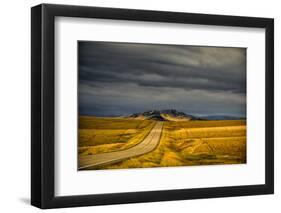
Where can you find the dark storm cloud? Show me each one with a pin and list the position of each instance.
(151, 69)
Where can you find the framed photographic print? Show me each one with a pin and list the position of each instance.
(140, 106)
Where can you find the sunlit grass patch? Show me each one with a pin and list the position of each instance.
(171, 158)
(100, 135)
(186, 143)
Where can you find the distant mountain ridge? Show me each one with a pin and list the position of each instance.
(163, 115)
(174, 115)
(222, 117)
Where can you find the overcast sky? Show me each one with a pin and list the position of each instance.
(125, 78)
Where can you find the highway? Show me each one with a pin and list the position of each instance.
(147, 145)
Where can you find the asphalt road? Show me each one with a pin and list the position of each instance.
(147, 145)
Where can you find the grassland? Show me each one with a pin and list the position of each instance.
(183, 143)
(187, 143)
(100, 135)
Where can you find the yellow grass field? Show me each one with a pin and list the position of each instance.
(100, 135)
(183, 143)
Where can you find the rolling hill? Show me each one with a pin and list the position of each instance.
(163, 115)
(174, 115)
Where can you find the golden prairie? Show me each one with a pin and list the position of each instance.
(182, 143)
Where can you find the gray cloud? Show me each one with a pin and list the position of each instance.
(121, 78)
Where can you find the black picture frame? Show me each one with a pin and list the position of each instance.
(43, 111)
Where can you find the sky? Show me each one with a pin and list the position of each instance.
(124, 78)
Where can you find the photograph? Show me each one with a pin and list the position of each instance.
(159, 105)
(141, 105)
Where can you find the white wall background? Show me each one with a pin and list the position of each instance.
(15, 105)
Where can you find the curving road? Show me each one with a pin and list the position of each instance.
(147, 145)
